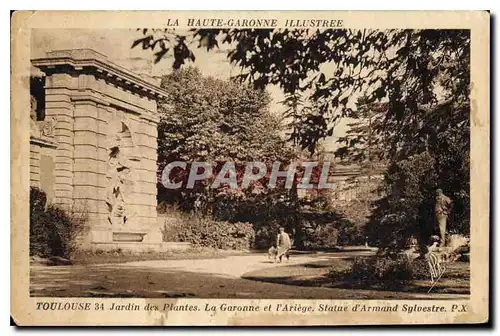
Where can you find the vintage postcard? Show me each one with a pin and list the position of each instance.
(250, 168)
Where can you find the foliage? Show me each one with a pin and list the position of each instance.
(215, 121)
(173, 228)
(315, 201)
(341, 269)
(363, 143)
(203, 231)
(408, 208)
(350, 234)
(409, 70)
(386, 269)
(327, 229)
(53, 231)
(39, 235)
(357, 208)
(115, 256)
(266, 233)
(407, 91)
(266, 212)
(438, 157)
(323, 236)
(331, 235)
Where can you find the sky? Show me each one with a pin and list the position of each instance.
(116, 45)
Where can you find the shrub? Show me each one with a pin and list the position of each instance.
(206, 232)
(350, 234)
(39, 233)
(265, 236)
(174, 225)
(172, 231)
(328, 230)
(323, 236)
(53, 231)
(342, 269)
(420, 269)
(388, 268)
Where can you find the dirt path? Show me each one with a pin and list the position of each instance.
(230, 267)
(202, 278)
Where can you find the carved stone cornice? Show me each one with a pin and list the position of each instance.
(42, 141)
(90, 61)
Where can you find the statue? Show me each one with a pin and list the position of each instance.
(442, 210)
(120, 186)
(121, 174)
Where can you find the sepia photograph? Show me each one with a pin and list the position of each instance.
(285, 159)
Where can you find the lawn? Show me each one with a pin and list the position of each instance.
(118, 256)
(455, 280)
(307, 280)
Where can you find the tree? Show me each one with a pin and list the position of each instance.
(410, 184)
(362, 143)
(215, 121)
(409, 70)
(418, 82)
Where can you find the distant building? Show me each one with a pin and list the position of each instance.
(351, 181)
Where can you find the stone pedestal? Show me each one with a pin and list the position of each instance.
(105, 159)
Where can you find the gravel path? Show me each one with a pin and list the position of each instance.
(230, 267)
(201, 278)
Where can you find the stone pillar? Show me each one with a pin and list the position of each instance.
(88, 182)
(58, 106)
(106, 160)
(34, 165)
(147, 143)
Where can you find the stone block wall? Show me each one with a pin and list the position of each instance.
(103, 145)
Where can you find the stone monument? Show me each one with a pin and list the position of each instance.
(98, 141)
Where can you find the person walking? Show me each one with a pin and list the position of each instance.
(284, 244)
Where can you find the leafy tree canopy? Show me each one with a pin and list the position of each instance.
(409, 71)
(407, 91)
(216, 121)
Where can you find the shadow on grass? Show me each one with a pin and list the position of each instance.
(382, 286)
(318, 274)
(284, 281)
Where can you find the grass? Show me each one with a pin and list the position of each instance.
(113, 281)
(119, 256)
(336, 273)
(310, 280)
(122, 281)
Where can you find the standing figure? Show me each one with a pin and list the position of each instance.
(120, 186)
(443, 209)
(283, 244)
